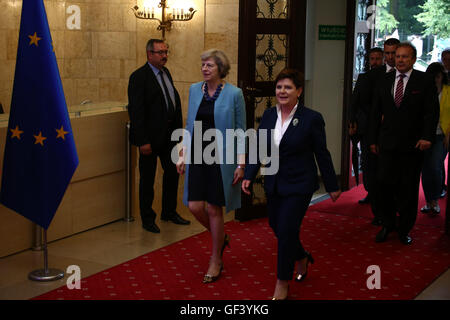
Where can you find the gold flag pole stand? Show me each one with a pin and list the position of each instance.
(45, 274)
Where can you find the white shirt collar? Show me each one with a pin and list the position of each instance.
(388, 68)
(407, 74)
(280, 128)
(290, 114)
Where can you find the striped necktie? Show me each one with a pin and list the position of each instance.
(399, 91)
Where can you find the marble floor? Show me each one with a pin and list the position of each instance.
(106, 246)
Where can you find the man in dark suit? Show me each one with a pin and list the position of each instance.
(402, 125)
(359, 113)
(360, 107)
(155, 112)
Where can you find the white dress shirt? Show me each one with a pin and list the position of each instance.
(405, 80)
(389, 68)
(280, 128)
(168, 84)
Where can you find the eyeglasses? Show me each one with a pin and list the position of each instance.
(161, 52)
(208, 66)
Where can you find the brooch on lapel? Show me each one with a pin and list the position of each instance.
(295, 122)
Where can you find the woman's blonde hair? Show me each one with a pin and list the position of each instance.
(219, 58)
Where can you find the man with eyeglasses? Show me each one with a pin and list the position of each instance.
(154, 108)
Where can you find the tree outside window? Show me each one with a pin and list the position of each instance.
(425, 23)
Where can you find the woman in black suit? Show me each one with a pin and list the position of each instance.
(299, 136)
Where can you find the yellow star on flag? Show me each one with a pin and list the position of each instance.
(61, 133)
(39, 139)
(34, 39)
(16, 132)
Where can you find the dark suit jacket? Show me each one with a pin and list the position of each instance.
(361, 101)
(301, 146)
(400, 128)
(147, 109)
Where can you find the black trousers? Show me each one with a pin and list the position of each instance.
(399, 180)
(285, 218)
(147, 170)
(369, 164)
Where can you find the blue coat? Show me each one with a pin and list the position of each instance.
(229, 113)
(302, 145)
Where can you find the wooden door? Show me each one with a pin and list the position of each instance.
(271, 38)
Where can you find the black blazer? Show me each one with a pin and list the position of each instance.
(361, 101)
(301, 146)
(147, 109)
(417, 117)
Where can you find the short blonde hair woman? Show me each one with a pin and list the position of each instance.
(220, 106)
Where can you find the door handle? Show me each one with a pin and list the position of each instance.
(250, 89)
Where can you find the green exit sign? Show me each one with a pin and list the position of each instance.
(327, 32)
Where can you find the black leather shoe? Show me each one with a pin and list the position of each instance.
(175, 218)
(407, 240)
(382, 235)
(365, 200)
(377, 222)
(436, 209)
(426, 208)
(151, 227)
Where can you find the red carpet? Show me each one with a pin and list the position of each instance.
(342, 245)
(348, 205)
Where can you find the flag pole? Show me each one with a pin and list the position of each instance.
(46, 274)
(128, 174)
(37, 246)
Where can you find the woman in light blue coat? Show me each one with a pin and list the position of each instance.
(213, 155)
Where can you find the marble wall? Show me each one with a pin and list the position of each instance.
(96, 60)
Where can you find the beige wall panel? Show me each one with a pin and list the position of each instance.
(97, 17)
(70, 91)
(87, 89)
(5, 94)
(3, 44)
(108, 68)
(222, 18)
(113, 44)
(16, 232)
(100, 142)
(3, 130)
(98, 201)
(9, 14)
(78, 44)
(79, 68)
(62, 224)
(56, 15)
(224, 42)
(12, 39)
(7, 68)
(113, 90)
(126, 68)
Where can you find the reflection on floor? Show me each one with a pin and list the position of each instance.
(112, 244)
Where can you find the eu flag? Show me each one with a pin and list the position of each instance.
(40, 155)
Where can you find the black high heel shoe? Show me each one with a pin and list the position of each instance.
(285, 298)
(300, 277)
(209, 278)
